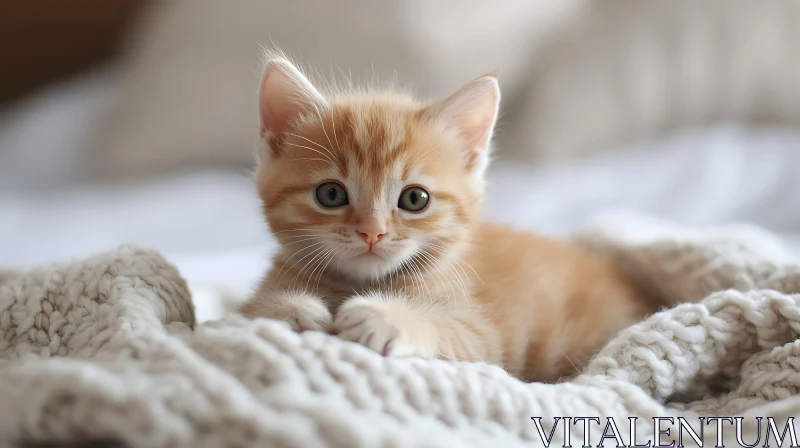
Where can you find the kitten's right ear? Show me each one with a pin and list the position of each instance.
(284, 96)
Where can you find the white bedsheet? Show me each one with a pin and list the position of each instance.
(208, 222)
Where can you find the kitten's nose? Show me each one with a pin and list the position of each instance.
(371, 233)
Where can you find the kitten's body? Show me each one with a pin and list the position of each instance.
(434, 282)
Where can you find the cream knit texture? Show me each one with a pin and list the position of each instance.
(106, 347)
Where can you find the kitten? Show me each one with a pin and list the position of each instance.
(376, 201)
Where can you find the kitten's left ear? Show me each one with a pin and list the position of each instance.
(472, 112)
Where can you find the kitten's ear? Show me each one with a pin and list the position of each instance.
(472, 112)
(284, 96)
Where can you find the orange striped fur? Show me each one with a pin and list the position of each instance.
(439, 282)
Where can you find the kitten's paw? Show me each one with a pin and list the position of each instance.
(360, 320)
(309, 315)
(303, 311)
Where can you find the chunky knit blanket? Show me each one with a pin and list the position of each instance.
(107, 348)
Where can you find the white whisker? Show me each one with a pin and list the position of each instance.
(427, 260)
(292, 230)
(452, 267)
(322, 259)
(317, 253)
(443, 251)
(448, 280)
(310, 141)
(306, 256)
(319, 277)
(315, 150)
(302, 241)
(322, 123)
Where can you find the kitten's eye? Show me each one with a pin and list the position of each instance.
(413, 199)
(331, 195)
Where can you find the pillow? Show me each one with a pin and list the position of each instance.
(192, 69)
(627, 71)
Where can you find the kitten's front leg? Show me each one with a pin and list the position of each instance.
(389, 324)
(302, 310)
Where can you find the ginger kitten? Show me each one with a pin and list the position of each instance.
(375, 199)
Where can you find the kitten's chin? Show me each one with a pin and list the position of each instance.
(369, 267)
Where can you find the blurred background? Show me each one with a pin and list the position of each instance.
(134, 121)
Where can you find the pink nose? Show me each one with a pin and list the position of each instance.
(371, 235)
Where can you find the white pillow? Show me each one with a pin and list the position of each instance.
(630, 71)
(188, 97)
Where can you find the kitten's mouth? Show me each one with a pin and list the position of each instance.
(370, 254)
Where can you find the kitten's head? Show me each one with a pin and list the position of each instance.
(371, 183)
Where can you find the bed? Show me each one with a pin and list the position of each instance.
(208, 221)
(675, 181)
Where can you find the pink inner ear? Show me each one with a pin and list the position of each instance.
(472, 111)
(476, 134)
(269, 123)
(270, 96)
(274, 107)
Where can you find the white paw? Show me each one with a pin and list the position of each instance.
(301, 311)
(309, 315)
(360, 321)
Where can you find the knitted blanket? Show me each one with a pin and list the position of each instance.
(106, 348)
